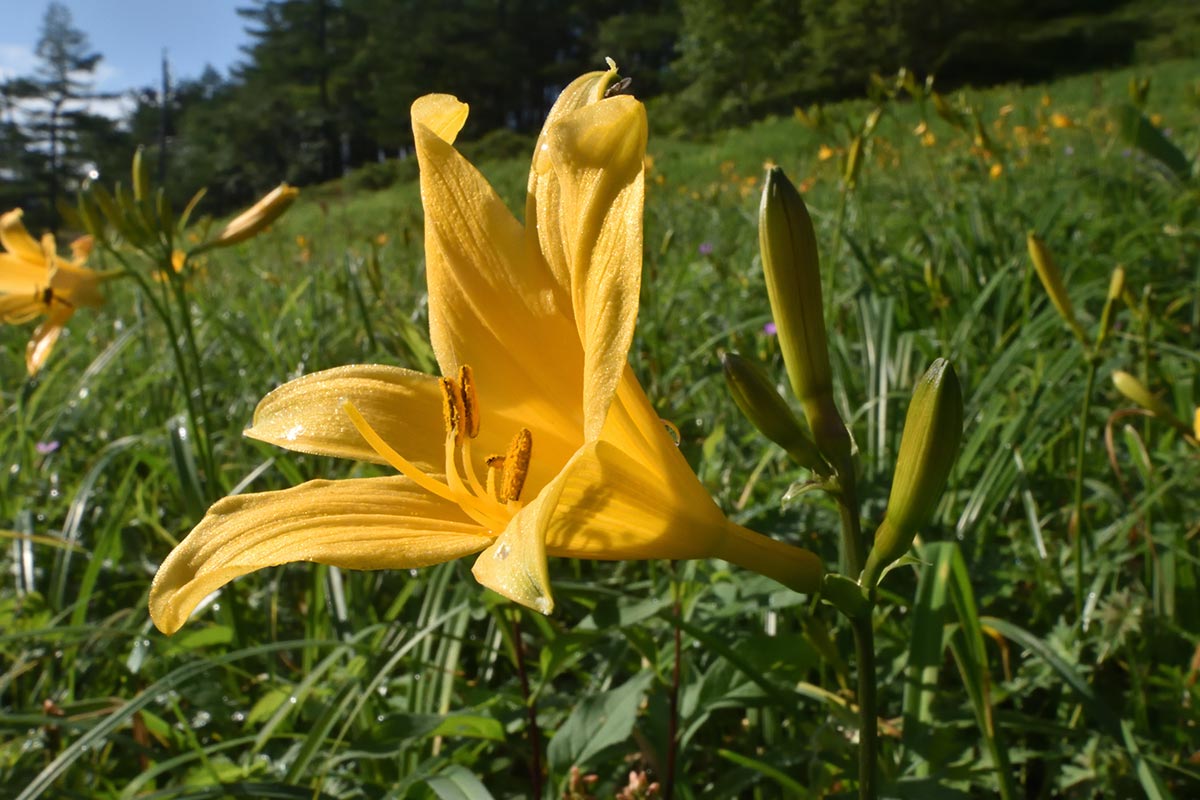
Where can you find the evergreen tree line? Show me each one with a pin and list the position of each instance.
(325, 85)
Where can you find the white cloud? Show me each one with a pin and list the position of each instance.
(16, 59)
(20, 59)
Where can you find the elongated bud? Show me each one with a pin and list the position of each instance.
(1116, 288)
(1136, 391)
(793, 275)
(853, 162)
(255, 219)
(1196, 425)
(767, 411)
(141, 176)
(90, 215)
(1051, 278)
(928, 448)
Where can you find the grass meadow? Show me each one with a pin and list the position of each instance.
(1002, 668)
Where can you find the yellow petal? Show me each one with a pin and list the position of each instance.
(44, 337)
(403, 406)
(612, 507)
(18, 276)
(491, 306)
(18, 308)
(16, 240)
(79, 286)
(598, 153)
(515, 564)
(543, 189)
(607, 505)
(367, 523)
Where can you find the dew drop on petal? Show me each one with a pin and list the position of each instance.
(502, 552)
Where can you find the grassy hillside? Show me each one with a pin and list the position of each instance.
(307, 681)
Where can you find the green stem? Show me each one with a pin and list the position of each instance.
(854, 548)
(203, 437)
(1077, 506)
(868, 731)
(854, 556)
(195, 419)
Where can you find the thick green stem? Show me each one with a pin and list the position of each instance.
(868, 732)
(854, 548)
(854, 556)
(1077, 505)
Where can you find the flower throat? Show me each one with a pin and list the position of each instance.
(491, 502)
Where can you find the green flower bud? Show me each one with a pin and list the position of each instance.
(1116, 288)
(928, 448)
(141, 176)
(793, 275)
(1052, 281)
(761, 404)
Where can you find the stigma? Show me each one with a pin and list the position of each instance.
(491, 502)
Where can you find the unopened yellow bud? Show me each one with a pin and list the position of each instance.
(1136, 391)
(1196, 424)
(253, 220)
(793, 275)
(1051, 279)
(761, 404)
(928, 448)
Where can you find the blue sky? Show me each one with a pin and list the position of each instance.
(131, 35)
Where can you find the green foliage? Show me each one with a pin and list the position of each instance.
(307, 681)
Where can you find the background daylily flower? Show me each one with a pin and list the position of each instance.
(538, 440)
(35, 281)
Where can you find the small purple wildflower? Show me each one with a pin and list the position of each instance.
(705, 248)
(1126, 153)
(46, 448)
(769, 329)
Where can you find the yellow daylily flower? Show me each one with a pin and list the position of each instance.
(538, 441)
(35, 281)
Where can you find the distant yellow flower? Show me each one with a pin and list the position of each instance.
(995, 171)
(381, 239)
(538, 441)
(1156, 120)
(928, 139)
(1061, 120)
(825, 152)
(34, 281)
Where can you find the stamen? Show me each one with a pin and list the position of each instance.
(469, 470)
(495, 475)
(516, 464)
(470, 505)
(470, 402)
(452, 407)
